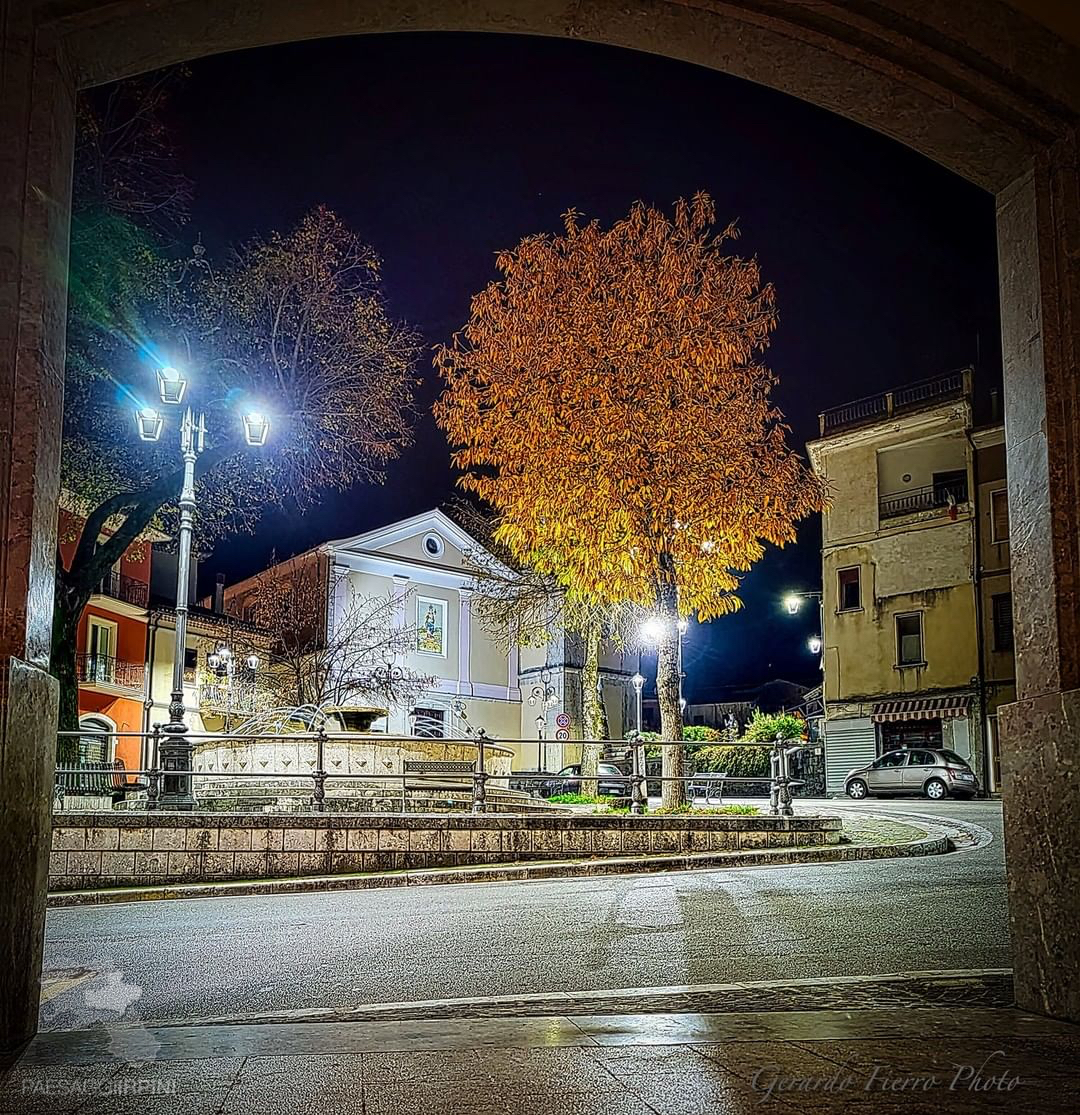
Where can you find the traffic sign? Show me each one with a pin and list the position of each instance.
(562, 733)
(562, 721)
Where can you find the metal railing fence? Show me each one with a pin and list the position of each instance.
(155, 780)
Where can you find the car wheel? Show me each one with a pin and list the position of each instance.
(935, 789)
(856, 789)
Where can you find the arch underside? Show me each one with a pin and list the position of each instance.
(944, 86)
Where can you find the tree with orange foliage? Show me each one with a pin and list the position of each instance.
(607, 399)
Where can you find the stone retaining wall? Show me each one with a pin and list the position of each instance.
(128, 849)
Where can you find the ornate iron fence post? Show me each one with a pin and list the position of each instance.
(153, 788)
(480, 775)
(786, 809)
(318, 792)
(638, 795)
(774, 777)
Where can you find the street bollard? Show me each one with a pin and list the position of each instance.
(153, 788)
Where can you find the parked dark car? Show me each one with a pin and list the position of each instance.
(932, 773)
(611, 782)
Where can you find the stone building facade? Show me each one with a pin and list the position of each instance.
(915, 574)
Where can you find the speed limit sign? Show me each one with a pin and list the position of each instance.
(562, 721)
(562, 733)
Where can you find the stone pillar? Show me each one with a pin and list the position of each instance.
(1039, 260)
(37, 123)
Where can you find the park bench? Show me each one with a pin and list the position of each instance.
(708, 787)
(97, 780)
(428, 768)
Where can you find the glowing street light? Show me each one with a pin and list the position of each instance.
(149, 424)
(793, 602)
(171, 386)
(814, 644)
(256, 428)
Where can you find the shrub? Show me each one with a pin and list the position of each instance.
(767, 726)
(576, 799)
(699, 733)
(739, 762)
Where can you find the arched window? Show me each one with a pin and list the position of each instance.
(95, 744)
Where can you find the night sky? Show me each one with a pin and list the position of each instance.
(440, 150)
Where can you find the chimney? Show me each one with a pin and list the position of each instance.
(219, 594)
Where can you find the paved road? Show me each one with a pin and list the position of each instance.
(205, 958)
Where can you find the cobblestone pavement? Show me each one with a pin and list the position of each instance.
(872, 1059)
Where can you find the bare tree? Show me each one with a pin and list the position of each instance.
(353, 659)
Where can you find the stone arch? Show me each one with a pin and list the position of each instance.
(974, 84)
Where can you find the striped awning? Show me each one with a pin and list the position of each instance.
(921, 708)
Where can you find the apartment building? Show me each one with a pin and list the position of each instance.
(915, 575)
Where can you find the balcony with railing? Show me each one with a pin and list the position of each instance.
(932, 497)
(103, 669)
(902, 400)
(122, 587)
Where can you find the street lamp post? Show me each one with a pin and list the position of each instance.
(637, 763)
(176, 750)
(543, 697)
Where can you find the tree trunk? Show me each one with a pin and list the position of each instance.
(68, 604)
(668, 669)
(595, 726)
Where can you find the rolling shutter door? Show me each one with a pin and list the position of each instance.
(848, 743)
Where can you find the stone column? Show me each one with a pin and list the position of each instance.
(1039, 260)
(37, 123)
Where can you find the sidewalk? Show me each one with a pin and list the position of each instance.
(886, 1058)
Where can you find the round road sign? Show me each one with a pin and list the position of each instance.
(562, 733)
(562, 720)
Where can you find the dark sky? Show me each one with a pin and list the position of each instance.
(442, 149)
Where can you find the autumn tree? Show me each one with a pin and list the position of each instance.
(292, 323)
(518, 604)
(607, 398)
(310, 659)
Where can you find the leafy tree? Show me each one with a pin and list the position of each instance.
(517, 604)
(294, 324)
(607, 399)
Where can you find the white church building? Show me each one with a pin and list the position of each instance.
(528, 694)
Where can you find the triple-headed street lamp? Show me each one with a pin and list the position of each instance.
(176, 751)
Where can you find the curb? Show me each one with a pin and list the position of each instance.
(931, 844)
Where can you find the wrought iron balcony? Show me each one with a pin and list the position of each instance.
(902, 400)
(933, 497)
(121, 587)
(102, 669)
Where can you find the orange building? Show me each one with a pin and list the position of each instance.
(111, 649)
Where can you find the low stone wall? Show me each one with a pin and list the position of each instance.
(132, 849)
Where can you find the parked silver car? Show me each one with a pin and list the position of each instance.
(935, 774)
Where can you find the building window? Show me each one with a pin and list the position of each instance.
(191, 661)
(950, 487)
(909, 640)
(433, 545)
(429, 723)
(94, 744)
(849, 589)
(1001, 609)
(999, 516)
(100, 664)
